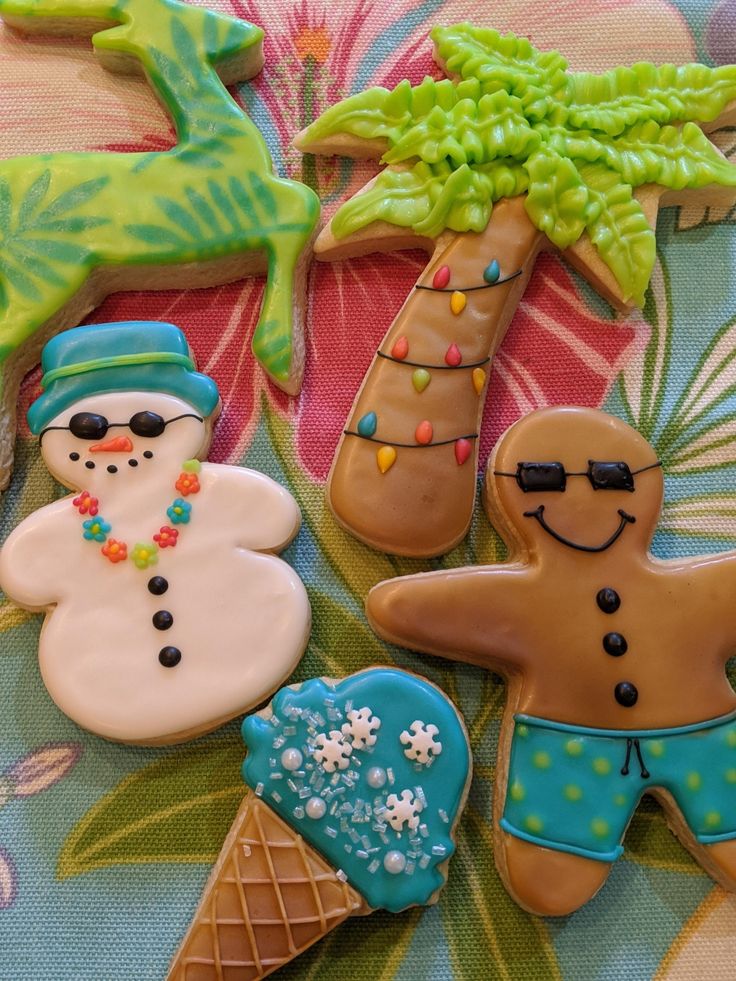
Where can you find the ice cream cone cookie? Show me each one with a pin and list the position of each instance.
(615, 660)
(354, 790)
(167, 611)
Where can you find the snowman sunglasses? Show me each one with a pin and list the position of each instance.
(90, 425)
(603, 475)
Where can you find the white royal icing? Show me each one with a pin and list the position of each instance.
(241, 615)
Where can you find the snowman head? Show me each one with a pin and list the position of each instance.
(120, 401)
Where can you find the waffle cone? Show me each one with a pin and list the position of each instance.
(270, 896)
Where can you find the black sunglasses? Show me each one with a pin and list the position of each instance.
(614, 475)
(90, 425)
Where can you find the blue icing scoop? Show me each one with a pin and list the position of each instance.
(371, 771)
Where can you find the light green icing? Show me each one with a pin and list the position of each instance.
(516, 120)
(213, 195)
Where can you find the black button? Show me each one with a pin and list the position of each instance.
(158, 585)
(162, 620)
(626, 694)
(615, 644)
(608, 600)
(169, 656)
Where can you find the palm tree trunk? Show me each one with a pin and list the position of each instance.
(404, 475)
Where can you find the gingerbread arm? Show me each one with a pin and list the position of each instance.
(464, 614)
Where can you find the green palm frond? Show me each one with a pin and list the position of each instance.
(429, 198)
(513, 118)
(617, 99)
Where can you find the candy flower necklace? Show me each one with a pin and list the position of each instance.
(143, 554)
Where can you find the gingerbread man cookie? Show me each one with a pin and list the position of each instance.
(166, 613)
(615, 660)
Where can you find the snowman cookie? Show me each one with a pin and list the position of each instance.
(167, 611)
(615, 660)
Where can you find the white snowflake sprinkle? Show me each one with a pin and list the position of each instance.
(420, 742)
(362, 726)
(403, 810)
(332, 752)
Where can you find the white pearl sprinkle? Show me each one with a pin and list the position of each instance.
(376, 777)
(291, 759)
(316, 808)
(394, 862)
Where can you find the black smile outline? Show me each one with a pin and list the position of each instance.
(626, 519)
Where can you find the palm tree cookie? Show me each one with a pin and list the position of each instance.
(615, 660)
(510, 155)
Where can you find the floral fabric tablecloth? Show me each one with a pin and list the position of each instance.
(104, 848)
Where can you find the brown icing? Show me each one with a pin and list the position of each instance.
(575, 632)
(423, 504)
(538, 615)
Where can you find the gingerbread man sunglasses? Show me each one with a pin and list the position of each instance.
(603, 475)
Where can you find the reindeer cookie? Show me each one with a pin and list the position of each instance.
(615, 660)
(77, 226)
(167, 612)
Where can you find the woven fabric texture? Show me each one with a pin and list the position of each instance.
(105, 848)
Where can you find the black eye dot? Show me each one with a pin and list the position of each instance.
(74, 456)
(88, 425)
(147, 454)
(112, 468)
(147, 424)
(89, 465)
(132, 463)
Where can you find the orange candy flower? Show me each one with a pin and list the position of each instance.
(188, 483)
(115, 551)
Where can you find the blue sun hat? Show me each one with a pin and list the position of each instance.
(134, 356)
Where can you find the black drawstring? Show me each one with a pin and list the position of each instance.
(643, 772)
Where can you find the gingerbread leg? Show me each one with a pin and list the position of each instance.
(549, 882)
(720, 861)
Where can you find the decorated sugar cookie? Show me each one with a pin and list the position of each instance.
(77, 226)
(615, 660)
(167, 610)
(355, 787)
(510, 155)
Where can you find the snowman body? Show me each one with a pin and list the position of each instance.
(157, 651)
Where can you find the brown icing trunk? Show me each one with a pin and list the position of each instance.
(269, 897)
(422, 504)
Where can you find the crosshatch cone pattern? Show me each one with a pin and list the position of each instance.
(271, 896)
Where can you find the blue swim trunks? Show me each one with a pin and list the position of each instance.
(575, 789)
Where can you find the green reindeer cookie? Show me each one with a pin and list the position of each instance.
(76, 226)
(509, 155)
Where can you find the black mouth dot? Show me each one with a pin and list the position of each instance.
(112, 468)
(74, 456)
(132, 463)
(148, 454)
(89, 465)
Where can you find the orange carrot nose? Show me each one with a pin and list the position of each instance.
(118, 444)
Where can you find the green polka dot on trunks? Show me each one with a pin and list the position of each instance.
(575, 789)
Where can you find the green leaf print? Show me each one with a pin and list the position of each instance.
(489, 936)
(29, 227)
(178, 809)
